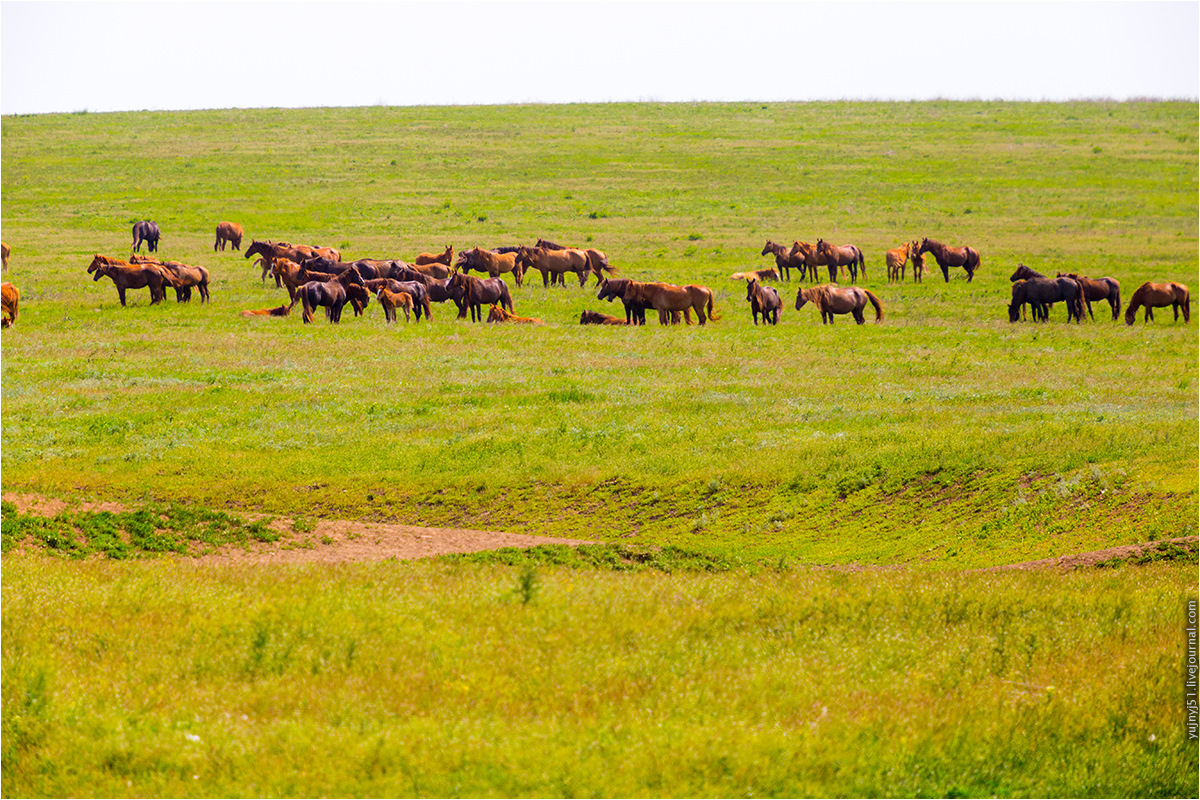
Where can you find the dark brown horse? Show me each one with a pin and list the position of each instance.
(474, 293)
(847, 256)
(832, 300)
(1160, 295)
(785, 260)
(596, 318)
(1098, 289)
(763, 300)
(947, 257)
(1041, 293)
(633, 295)
(331, 294)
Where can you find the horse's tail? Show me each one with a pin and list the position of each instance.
(862, 262)
(1114, 297)
(711, 314)
(506, 298)
(875, 302)
(1187, 303)
(308, 309)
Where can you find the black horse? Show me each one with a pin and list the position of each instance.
(146, 231)
(1041, 293)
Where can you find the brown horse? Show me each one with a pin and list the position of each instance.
(596, 318)
(555, 263)
(446, 258)
(471, 292)
(279, 311)
(185, 277)
(667, 299)
(897, 261)
(918, 261)
(769, 274)
(131, 276)
(333, 294)
(947, 257)
(230, 232)
(763, 300)
(391, 301)
(1160, 295)
(846, 255)
(298, 253)
(813, 258)
(1098, 289)
(494, 264)
(498, 314)
(5, 252)
(437, 270)
(1041, 293)
(10, 299)
(839, 300)
(785, 260)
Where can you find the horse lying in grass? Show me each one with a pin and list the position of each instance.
(1098, 289)
(498, 314)
(839, 300)
(1160, 295)
(131, 276)
(763, 300)
(947, 257)
(10, 299)
(1041, 293)
(280, 311)
(768, 274)
(596, 318)
(185, 277)
(392, 300)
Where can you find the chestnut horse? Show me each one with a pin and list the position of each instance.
(185, 277)
(1159, 295)
(763, 300)
(813, 258)
(847, 256)
(498, 314)
(785, 260)
(5, 252)
(1098, 289)
(918, 261)
(553, 263)
(667, 299)
(298, 253)
(897, 260)
(596, 318)
(279, 311)
(10, 299)
(947, 257)
(131, 276)
(230, 232)
(391, 301)
(494, 264)
(446, 258)
(631, 294)
(839, 300)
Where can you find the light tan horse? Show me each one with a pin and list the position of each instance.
(392, 300)
(1160, 295)
(446, 257)
(897, 262)
(10, 299)
(768, 274)
(494, 264)
(839, 300)
(498, 314)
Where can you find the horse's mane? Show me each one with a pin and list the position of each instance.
(546, 244)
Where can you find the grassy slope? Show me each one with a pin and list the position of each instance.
(944, 434)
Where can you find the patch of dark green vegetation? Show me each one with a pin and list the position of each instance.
(1162, 551)
(616, 557)
(149, 531)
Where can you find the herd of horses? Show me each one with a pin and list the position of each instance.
(807, 258)
(1040, 292)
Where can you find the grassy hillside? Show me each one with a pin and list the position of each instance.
(944, 433)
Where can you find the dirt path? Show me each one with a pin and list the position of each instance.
(340, 541)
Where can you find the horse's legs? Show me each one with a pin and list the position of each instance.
(833, 273)
(945, 272)
(970, 273)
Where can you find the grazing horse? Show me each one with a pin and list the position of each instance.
(813, 258)
(185, 277)
(332, 294)
(498, 314)
(839, 300)
(897, 260)
(763, 300)
(494, 264)
(1041, 293)
(131, 276)
(146, 231)
(785, 260)
(1098, 289)
(1160, 295)
(392, 300)
(596, 318)
(847, 256)
(279, 311)
(947, 257)
(5, 252)
(446, 258)
(475, 292)
(769, 274)
(230, 232)
(553, 263)
(918, 262)
(10, 299)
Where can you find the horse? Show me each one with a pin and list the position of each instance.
(598, 261)
(230, 232)
(185, 277)
(446, 258)
(494, 264)
(498, 314)
(417, 290)
(1040, 293)
(333, 294)
(785, 261)
(437, 271)
(763, 300)
(555, 262)
(897, 260)
(839, 300)
(1160, 295)
(769, 274)
(667, 298)
(630, 295)
(847, 256)
(947, 257)
(918, 261)
(391, 301)
(298, 253)
(131, 276)
(1098, 289)
(596, 318)
(280, 311)
(367, 268)
(5, 252)
(813, 258)
(474, 292)
(146, 231)
(1024, 273)
(10, 299)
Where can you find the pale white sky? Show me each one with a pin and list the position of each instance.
(113, 56)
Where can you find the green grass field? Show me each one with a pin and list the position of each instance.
(943, 439)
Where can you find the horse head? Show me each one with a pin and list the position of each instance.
(751, 288)
(609, 290)
(803, 296)
(97, 262)
(769, 247)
